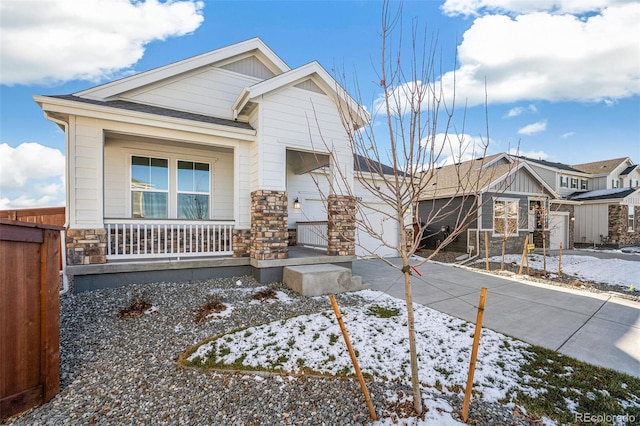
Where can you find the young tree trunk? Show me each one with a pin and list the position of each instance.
(504, 249)
(413, 353)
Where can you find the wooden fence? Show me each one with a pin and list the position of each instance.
(44, 215)
(29, 315)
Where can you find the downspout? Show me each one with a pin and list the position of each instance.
(63, 233)
(478, 225)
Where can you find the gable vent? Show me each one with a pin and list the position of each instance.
(311, 86)
(250, 66)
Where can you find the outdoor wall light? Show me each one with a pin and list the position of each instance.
(572, 219)
(296, 203)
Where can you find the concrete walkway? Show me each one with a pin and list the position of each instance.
(596, 328)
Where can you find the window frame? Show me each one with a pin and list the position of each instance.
(584, 184)
(179, 192)
(564, 181)
(631, 219)
(506, 202)
(574, 183)
(172, 192)
(133, 190)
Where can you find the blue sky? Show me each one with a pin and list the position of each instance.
(563, 77)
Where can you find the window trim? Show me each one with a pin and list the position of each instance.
(574, 183)
(584, 184)
(564, 181)
(506, 200)
(160, 191)
(631, 219)
(179, 192)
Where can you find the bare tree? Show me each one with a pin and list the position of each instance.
(418, 118)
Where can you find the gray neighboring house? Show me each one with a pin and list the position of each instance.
(602, 198)
(498, 194)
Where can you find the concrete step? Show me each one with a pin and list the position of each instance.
(321, 279)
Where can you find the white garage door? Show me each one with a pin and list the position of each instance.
(387, 228)
(558, 231)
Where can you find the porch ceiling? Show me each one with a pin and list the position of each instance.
(305, 162)
(113, 136)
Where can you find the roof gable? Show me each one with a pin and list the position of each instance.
(320, 81)
(601, 167)
(233, 54)
(604, 194)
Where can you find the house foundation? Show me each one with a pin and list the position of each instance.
(86, 246)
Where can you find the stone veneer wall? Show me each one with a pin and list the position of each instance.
(293, 237)
(341, 228)
(86, 246)
(241, 242)
(514, 245)
(619, 228)
(269, 228)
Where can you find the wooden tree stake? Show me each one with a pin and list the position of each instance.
(525, 253)
(354, 360)
(474, 354)
(560, 262)
(486, 249)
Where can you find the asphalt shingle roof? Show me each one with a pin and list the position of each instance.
(602, 194)
(150, 109)
(599, 167)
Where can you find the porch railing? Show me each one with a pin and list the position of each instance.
(313, 234)
(132, 239)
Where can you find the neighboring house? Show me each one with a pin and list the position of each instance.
(496, 196)
(603, 198)
(203, 167)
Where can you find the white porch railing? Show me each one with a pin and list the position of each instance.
(134, 239)
(313, 234)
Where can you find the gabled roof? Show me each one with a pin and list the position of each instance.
(628, 170)
(559, 166)
(150, 109)
(603, 194)
(367, 165)
(600, 167)
(255, 46)
(311, 70)
(476, 176)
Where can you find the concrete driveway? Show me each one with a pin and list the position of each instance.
(599, 329)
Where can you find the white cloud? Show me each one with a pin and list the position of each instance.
(514, 112)
(31, 175)
(547, 56)
(538, 155)
(60, 40)
(476, 7)
(567, 135)
(454, 148)
(537, 127)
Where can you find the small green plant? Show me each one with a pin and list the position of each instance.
(382, 312)
(316, 336)
(291, 342)
(333, 338)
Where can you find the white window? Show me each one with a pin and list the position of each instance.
(574, 183)
(631, 223)
(193, 190)
(505, 216)
(188, 196)
(584, 184)
(149, 187)
(614, 183)
(564, 181)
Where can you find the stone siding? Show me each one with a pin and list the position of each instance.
(86, 246)
(619, 228)
(269, 230)
(341, 228)
(241, 242)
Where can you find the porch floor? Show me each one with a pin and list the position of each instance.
(298, 255)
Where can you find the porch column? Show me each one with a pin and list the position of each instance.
(341, 228)
(86, 246)
(269, 225)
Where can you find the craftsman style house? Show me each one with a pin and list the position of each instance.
(603, 198)
(497, 198)
(206, 167)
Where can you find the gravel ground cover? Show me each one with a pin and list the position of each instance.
(123, 371)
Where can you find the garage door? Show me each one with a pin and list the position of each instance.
(558, 230)
(386, 227)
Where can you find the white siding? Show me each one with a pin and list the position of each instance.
(209, 91)
(591, 222)
(86, 177)
(117, 174)
(291, 118)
